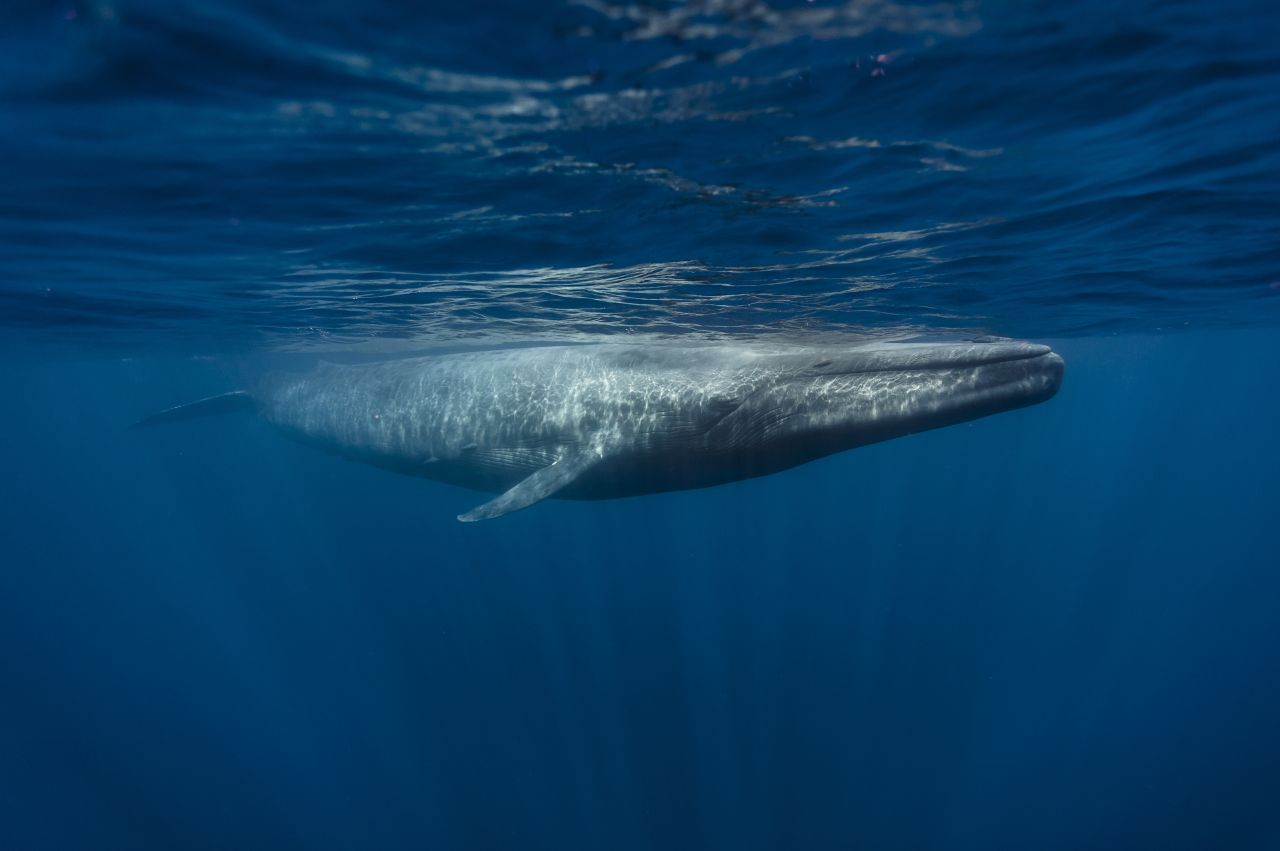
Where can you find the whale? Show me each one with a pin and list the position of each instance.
(611, 420)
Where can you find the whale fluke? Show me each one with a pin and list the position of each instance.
(226, 403)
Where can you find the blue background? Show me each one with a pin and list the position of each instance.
(1053, 628)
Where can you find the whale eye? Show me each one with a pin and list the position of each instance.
(820, 364)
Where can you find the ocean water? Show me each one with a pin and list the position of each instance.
(1054, 628)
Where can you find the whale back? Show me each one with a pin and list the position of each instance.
(488, 419)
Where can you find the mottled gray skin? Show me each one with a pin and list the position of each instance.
(625, 420)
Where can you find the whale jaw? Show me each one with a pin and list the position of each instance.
(884, 393)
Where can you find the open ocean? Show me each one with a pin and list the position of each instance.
(1054, 628)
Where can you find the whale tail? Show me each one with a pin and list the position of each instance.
(226, 403)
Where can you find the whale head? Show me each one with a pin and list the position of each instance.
(831, 399)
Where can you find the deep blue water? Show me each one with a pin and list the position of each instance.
(1054, 628)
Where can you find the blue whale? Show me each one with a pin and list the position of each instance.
(605, 421)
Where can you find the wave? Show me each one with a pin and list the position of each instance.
(268, 173)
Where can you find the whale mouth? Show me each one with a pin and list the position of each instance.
(984, 354)
(1027, 380)
(1024, 351)
(952, 384)
(921, 357)
(1010, 372)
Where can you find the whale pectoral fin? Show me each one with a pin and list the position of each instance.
(538, 486)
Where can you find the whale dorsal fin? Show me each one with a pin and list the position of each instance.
(542, 484)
